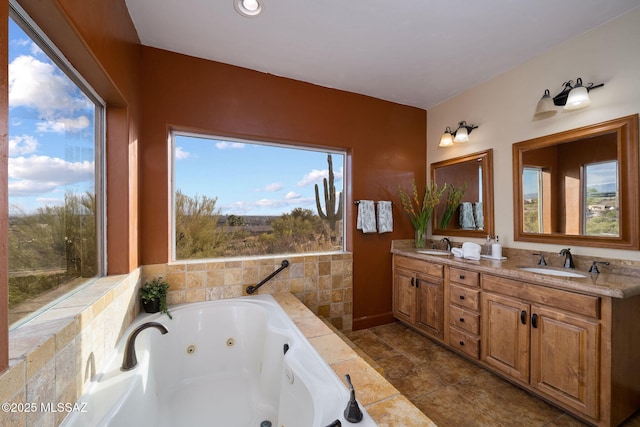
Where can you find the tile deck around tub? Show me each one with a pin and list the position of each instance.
(384, 403)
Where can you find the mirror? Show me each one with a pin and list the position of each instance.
(579, 187)
(475, 171)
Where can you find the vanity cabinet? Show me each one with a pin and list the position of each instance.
(464, 311)
(545, 338)
(577, 350)
(418, 297)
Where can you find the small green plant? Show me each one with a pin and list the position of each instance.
(156, 290)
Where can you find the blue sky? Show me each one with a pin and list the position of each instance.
(51, 130)
(249, 178)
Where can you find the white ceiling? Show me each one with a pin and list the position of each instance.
(413, 52)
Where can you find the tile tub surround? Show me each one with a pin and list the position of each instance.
(386, 405)
(324, 283)
(53, 356)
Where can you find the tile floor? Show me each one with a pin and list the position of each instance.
(449, 389)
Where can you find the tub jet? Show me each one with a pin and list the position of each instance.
(265, 423)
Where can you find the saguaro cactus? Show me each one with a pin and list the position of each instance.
(330, 214)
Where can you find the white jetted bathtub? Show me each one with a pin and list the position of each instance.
(235, 362)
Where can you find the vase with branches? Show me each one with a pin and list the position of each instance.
(420, 211)
(454, 196)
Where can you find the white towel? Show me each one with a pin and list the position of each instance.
(366, 217)
(457, 252)
(471, 251)
(385, 217)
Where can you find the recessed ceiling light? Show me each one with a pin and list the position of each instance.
(248, 8)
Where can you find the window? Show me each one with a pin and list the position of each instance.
(532, 182)
(238, 198)
(601, 199)
(55, 185)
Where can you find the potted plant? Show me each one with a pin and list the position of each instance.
(153, 296)
(419, 211)
(454, 196)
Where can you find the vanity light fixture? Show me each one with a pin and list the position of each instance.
(447, 138)
(459, 135)
(545, 107)
(462, 133)
(572, 97)
(248, 8)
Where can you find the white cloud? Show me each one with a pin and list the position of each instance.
(316, 176)
(49, 201)
(64, 125)
(23, 144)
(292, 195)
(273, 187)
(42, 174)
(223, 145)
(181, 154)
(40, 85)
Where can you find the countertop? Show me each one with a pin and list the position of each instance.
(603, 284)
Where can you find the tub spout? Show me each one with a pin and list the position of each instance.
(130, 360)
(336, 423)
(352, 412)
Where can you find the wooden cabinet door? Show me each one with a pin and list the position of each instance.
(565, 358)
(430, 315)
(404, 295)
(505, 335)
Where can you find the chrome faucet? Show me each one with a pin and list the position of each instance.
(568, 260)
(130, 360)
(446, 239)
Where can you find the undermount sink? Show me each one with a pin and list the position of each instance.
(433, 252)
(550, 272)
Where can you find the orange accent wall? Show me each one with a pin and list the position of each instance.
(386, 143)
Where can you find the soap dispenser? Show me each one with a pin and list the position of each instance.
(496, 249)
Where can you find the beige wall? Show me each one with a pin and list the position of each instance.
(503, 108)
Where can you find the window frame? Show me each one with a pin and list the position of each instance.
(172, 199)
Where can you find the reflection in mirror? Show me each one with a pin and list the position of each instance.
(473, 213)
(579, 186)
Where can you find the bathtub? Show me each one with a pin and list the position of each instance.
(235, 362)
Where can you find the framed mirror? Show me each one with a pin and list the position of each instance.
(579, 187)
(472, 216)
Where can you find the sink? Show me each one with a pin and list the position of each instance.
(433, 252)
(550, 272)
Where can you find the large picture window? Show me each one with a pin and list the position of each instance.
(55, 202)
(239, 198)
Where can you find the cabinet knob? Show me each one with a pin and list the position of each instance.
(462, 277)
(417, 283)
(413, 281)
(534, 320)
(523, 317)
(462, 319)
(462, 343)
(461, 296)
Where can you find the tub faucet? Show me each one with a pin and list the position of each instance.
(568, 259)
(352, 412)
(446, 239)
(130, 360)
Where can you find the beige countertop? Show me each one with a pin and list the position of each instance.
(603, 284)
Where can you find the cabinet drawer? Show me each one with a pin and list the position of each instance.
(464, 319)
(576, 303)
(420, 266)
(464, 297)
(464, 342)
(465, 277)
